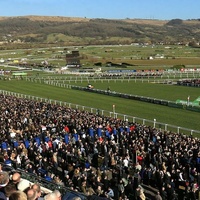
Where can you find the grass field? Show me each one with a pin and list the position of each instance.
(135, 55)
(160, 91)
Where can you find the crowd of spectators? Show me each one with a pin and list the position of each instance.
(14, 187)
(142, 74)
(100, 156)
(189, 82)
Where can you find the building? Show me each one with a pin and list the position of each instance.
(73, 59)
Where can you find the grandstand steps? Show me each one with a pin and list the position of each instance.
(149, 191)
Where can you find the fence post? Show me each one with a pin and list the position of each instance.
(166, 127)
(124, 117)
(154, 123)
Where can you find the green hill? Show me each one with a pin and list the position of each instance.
(83, 31)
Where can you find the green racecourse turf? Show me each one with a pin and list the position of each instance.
(163, 114)
(154, 90)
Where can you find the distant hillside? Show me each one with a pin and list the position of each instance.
(83, 31)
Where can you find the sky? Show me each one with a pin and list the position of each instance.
(107, 9)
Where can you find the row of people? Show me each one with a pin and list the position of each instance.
(94, 154)
(13, 187)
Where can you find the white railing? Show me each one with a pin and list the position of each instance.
(154, 123)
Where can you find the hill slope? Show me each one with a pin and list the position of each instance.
(97, 31)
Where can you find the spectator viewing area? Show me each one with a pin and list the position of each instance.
(57, 152)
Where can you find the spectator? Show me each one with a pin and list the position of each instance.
(121, 188)
(16, 178)
(4, 179)
(9, 189)
(76, 198)
(140, 193)
(31, 194)
(37, 188)
(50, 196)
(157, 196)
(58, 194)
(163, 194)
(110, 193)
(87, 190)
(18, 195)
